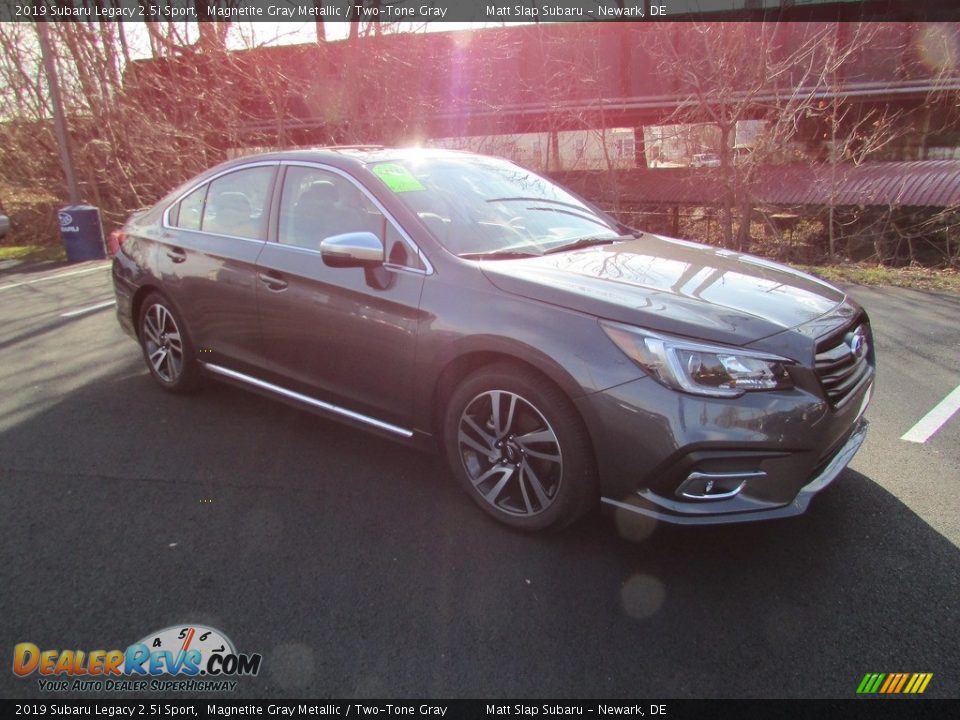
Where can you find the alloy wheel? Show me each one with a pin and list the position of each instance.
(163, 343)
(510, 453)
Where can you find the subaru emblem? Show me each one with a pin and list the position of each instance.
(858, 342)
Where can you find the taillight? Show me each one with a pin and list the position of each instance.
(115, 242)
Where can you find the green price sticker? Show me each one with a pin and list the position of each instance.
(397, 177)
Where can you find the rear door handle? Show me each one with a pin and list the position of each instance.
(178, 255)
(273, 281)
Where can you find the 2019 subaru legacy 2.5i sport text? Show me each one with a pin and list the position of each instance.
(555, 356)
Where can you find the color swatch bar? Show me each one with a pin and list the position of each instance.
(894, 683)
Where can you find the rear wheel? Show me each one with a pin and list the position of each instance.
(166, 346)
(519, 448)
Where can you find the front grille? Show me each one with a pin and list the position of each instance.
(843, 363)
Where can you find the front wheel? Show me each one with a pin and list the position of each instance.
(166, 346)
(519, 448)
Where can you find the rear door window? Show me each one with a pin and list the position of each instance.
(236, 203)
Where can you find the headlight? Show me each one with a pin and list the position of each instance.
(698, 367)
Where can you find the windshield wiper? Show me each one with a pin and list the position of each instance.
(548, 201)
(588, 242)
(594, 220)
(499, 255)
(577, 211)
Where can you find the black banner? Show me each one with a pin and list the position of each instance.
(487, 11)
(867, 709)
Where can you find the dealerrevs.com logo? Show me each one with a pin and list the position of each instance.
(177, 658)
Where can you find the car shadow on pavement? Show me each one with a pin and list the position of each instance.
(358, 568)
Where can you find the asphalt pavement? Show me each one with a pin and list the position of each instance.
(358, 568)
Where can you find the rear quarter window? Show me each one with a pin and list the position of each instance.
(188, 212)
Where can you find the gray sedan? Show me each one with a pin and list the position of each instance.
(460, 303)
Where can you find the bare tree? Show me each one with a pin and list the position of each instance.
(142, 125)
(769, 72)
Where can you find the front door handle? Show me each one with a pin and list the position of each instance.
(178, 255)
(273, 281)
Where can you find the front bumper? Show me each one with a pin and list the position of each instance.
(696, 460)
(645, 504)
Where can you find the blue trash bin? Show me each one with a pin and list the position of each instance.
(82, 233)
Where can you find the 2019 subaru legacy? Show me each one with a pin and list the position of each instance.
(460, 302)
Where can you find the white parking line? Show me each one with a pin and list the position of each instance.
(54, 277)
(90, 308)
(935, 419)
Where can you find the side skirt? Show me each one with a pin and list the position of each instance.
(312, 403)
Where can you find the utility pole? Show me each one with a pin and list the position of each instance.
(59, 118)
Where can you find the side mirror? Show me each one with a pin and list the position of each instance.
(354, 249)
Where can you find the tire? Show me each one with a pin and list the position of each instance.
(530, 464)
(166, 345)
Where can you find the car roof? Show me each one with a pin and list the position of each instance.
(345, 157)
(354, 155)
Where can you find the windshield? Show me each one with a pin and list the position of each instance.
(485, 206)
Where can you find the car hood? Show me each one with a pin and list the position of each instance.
(672, 286)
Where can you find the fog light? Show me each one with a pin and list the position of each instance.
(716, 486)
